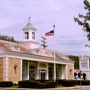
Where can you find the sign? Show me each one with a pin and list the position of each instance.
(83, 64)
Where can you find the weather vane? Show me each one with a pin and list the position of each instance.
(29, 19)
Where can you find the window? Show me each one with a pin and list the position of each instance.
(26, 35)
(13, 47)
(24, 69)
(16, 48)
(42, 65)
(57, 71)
(50, 71)
(33, 35)
(32, 70)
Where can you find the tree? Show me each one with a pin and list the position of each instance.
(7, 38)
(12, 39)
(76, 59)
(83, 20)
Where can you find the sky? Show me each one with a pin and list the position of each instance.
(70, 39)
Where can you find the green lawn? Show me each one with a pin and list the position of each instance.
(15, 86)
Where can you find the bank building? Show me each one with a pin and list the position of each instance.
(26, 60)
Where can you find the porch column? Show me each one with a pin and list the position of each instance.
(37, 74)
(21, 69)
(54, 73)
(28, 70)
(47, 73)
(5, 69)
(63, 72)
(66, 71)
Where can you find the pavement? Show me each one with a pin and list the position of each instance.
(61, 88)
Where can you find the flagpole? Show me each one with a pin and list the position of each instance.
(54, 53)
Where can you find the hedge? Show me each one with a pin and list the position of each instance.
(6, 84)
(37, 84)
(51, 84)
(67, 82)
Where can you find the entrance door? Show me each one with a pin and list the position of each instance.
(42, 74)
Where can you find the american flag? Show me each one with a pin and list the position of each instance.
(50, 33)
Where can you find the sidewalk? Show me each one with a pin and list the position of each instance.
(61, 88)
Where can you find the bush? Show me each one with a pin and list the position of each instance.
(44, 80)
(6, 84)
(51, 84)
(27, 84)
(41, 85)
(37, 84)
(60, 81)
(84, 82)
(67, 82)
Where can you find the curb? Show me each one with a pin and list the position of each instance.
(62, 88)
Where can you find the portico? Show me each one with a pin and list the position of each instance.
(42, 70)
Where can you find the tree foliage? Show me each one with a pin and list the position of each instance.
(83, 20)
(76, 59)
(7, 38)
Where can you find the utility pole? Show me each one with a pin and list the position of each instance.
(43, 42)
(80, 79)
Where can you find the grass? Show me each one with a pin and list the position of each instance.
(59, 86)
(15, 86)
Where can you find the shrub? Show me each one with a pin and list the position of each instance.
(37, 84)
(27, 84)
(60, 81)
(6, 84)
(84, 82)
(67, 82)
(41, 85)
(51, 84)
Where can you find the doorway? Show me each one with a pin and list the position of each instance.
(42, 74)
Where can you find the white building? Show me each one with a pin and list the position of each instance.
(26, 61)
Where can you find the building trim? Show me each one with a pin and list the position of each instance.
(21, 69)
(24, 55)
(5, 69)
(29, 57)
(31, 28)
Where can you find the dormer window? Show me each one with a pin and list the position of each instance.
(13, 47)
(16, 48)
(26, 35)
(33, 35)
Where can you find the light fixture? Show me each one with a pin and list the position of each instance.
(15, 66)
(70, 70)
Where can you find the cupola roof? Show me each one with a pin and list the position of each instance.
(29, 25)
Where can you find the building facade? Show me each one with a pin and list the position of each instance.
(26, 61)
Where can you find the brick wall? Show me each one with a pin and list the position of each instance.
(70, 72)
(14, 74)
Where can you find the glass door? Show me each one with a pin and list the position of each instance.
(42, 74)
